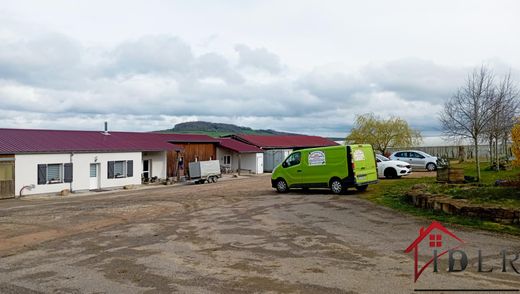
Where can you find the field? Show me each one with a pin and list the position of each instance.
(391, 193)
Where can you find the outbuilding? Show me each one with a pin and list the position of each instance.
(236, 156)
(49, 161)
(195, 147)
(277, 148)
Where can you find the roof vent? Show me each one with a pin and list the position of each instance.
(106, 133)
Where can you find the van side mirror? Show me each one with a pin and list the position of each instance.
(284, 164)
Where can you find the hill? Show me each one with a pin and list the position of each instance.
(218, 129)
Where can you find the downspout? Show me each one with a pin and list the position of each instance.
(72, 180)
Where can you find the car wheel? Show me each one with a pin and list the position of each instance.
(362, 188)
(431, 166)
(281, 186)
(336, 186)
(390, 173)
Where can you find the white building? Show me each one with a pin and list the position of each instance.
(47, 161)
(235, 155)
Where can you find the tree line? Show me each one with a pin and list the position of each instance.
(483, 109)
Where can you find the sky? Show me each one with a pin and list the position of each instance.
(299, 66)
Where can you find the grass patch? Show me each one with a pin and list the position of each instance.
(391, 193)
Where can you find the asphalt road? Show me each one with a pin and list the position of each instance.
(230, 237)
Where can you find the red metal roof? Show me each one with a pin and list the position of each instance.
(286, 141)
(14, 141)
(191, 138)
(238, 146)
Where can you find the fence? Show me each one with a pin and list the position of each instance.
(462, 151)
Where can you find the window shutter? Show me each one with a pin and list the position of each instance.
(111, 169)
(67, 172)
(42, 174)
(130, 168)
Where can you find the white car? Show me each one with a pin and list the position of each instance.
(392, 169)
(417, 159)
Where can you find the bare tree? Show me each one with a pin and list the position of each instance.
(467, 113)
(506, 105)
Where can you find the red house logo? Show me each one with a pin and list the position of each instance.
(436, 238)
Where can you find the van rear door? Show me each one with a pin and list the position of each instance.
(365, 168)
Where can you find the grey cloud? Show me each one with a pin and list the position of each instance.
(216, 66)
(151, 54)
(49, 60)
(155, 80)
(416, 79)
(332, 86)
(258, 58)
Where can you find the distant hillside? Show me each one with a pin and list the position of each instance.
(218, 129)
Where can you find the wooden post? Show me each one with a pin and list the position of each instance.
(177, 166)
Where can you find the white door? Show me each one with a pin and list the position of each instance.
(259, 163)
(94, 176)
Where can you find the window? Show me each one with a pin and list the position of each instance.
(54, 173)
(120, 169)
(435, 240)
(93, 170)
(416, 155)
(293, 159)
(227, 159)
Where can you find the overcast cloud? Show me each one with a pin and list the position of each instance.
(300, 66)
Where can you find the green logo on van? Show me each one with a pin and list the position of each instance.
(316, 158)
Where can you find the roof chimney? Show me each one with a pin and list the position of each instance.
(106, 129)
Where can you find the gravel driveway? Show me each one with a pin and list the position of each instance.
(233, 236)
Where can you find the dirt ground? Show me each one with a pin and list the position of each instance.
(229, 237)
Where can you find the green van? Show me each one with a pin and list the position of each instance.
(336, 167)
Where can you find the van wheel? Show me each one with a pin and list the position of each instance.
(431, 166)
(336, 186)
(281, 186)
(390, 173)
(362, 188)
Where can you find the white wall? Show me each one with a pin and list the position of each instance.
(248, 161)
(221, 152)
(159, 163)
(26, 171)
